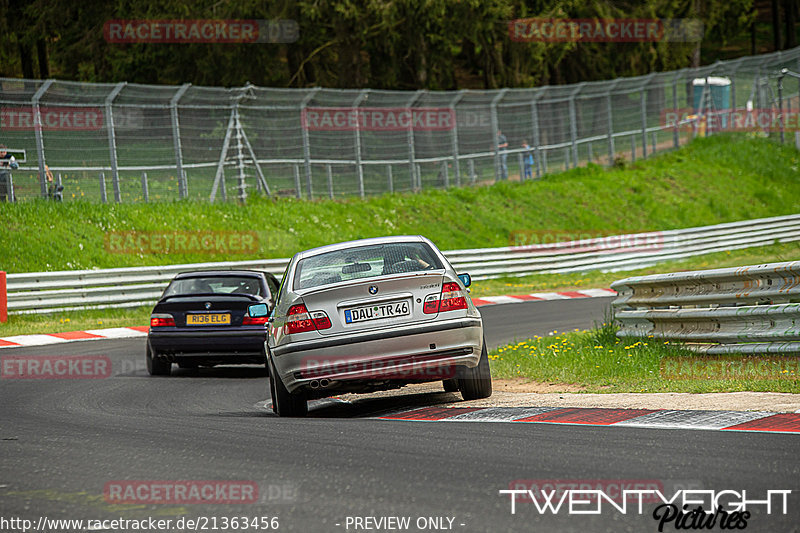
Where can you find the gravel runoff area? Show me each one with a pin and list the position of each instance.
(511, 393)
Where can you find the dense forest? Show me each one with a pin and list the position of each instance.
(381, 44)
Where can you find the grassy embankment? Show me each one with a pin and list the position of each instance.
(714, 180)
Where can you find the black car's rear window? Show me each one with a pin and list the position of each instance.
(364, 262)
(215, 285)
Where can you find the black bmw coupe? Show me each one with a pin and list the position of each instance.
(202, 320)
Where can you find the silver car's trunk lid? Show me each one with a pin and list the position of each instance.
(371, 304)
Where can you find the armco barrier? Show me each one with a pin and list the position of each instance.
(42, 292)
(3, 298)
(749, 309)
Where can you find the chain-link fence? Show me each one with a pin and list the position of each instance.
(132, 143)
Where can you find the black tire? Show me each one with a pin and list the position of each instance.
(450, 385)
(156, 366)
(476, 383)
(288, 404)
(270, 373)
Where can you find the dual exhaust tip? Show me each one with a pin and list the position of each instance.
(319, 383)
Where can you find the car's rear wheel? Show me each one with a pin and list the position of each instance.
(450, 385)
(288, 404)
(476, 383)
(156, 366)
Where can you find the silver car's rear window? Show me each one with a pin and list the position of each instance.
(215, 285)
(364, 262)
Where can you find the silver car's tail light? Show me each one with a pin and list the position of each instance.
(451, 298)
(299, 320)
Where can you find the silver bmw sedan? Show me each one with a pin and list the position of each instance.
(370, 315)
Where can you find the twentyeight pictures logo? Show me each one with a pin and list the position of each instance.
(200, 31)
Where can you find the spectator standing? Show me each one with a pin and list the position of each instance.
(7, 161)
(527, 159)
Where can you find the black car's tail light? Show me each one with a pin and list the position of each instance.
(160, 320)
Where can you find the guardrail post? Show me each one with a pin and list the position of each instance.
(112, 139)
(103, 197)
(176, 134)
(329, 172)
(389, 177)
(3, 297)
(37, 131)
(359, 167)
(145, 188)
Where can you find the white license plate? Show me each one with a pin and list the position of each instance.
(377, 311)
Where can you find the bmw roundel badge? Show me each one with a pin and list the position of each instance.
(208, 305)
(373, 289)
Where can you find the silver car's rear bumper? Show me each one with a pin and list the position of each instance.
(413, 353)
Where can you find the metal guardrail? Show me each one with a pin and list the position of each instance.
(43, 292)
(749, 309)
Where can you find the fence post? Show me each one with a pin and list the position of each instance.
(176, 134)
(389, 176)
(412, 162)
(329, 173)
(37, 130)
(495, 129)
(573, 123)
(446, 174)
(780, 104)
(520, 163)
(610, 120)
(103, 197)
(544, 161)
(359, 167)
(456, 163)
(591, 153)
(566, 159)
(10, 186)
(676, 141)
(145, 188)
(655, 142)
(3, 297)
(535, 127)
(472, 176)
(633, 148)
(306, 141)
(112, 139)
(643, 88)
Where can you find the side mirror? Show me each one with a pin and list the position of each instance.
(466, 279)
(258, 310)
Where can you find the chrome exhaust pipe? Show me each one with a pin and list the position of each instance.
(314, 384)
(324, 383)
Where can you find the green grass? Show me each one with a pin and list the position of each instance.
(596, 361)
(713, 180)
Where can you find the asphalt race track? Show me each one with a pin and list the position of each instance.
(64, 442)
